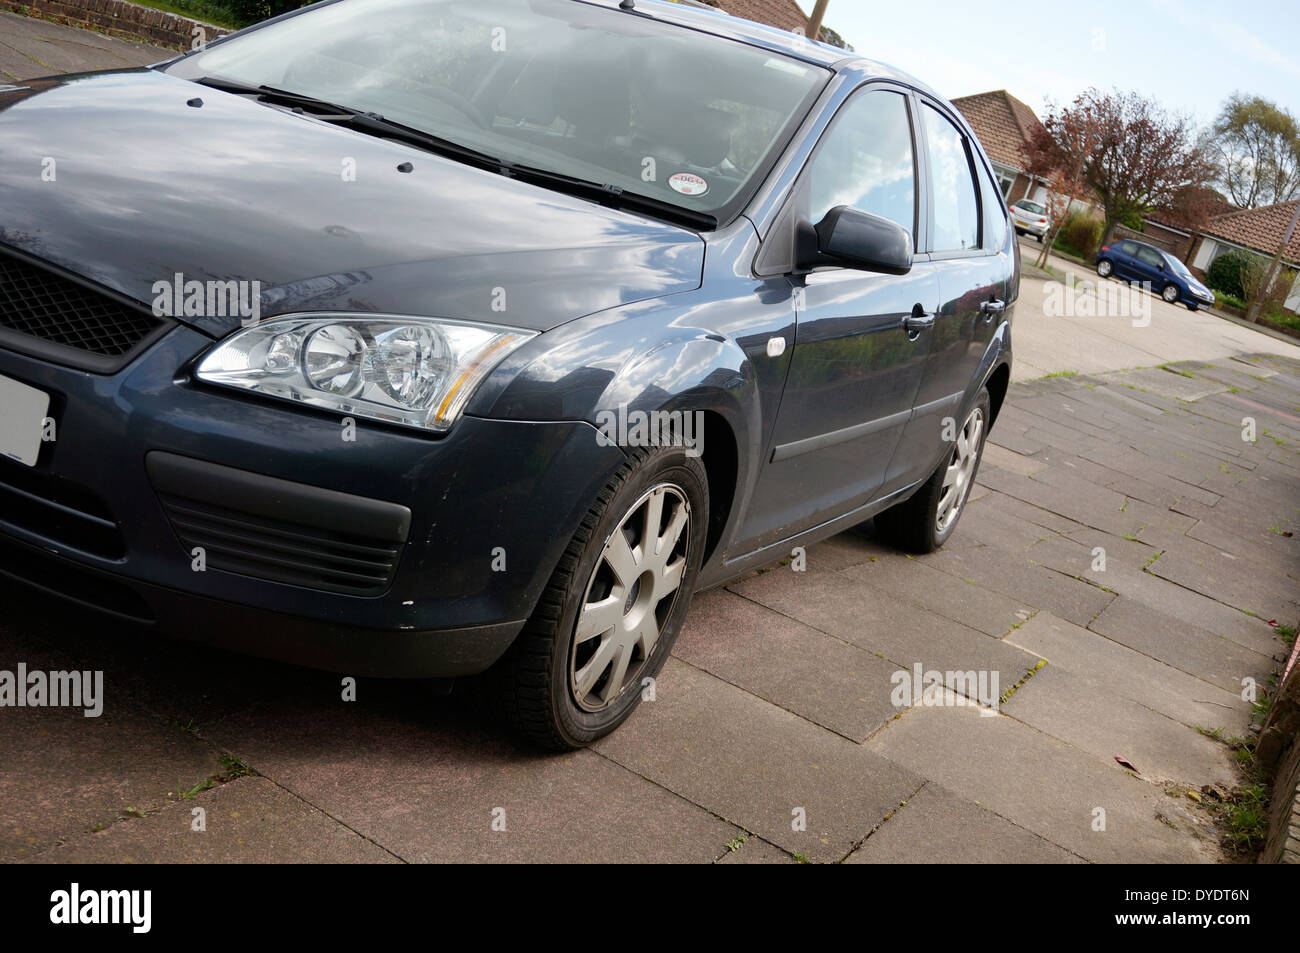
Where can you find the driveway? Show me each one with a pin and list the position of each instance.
(1119, 561)
(1092, 623)
(1101, 326)
(30, 48)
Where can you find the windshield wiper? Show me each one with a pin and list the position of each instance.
(612, 195)
(609, 195)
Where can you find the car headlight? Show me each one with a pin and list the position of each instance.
(419, 372)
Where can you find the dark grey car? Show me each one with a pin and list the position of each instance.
(446, 337)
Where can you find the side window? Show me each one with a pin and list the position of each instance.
(1149, 257)
(995, 218)
(865, 160)
(1127, 248)
(956, 213)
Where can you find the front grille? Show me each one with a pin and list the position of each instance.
(41, 304)
(292, 553)
(59, 511)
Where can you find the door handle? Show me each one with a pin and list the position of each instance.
(918, 321)
(991, 307)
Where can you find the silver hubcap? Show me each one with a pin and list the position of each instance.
(1103, 269)
(1170, 293)
(961, 468)
(629, 597)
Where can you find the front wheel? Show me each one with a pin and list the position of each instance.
(613, 607)
(924, 522)
(1193, 306)
(1170, 293)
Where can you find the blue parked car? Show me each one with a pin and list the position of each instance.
(1168, 277)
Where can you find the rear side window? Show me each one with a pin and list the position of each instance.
(865, 160)
(1128, 248)
(1149, 256)
(956, 212)
(995, 219)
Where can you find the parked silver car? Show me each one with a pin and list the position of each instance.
(1030, 217)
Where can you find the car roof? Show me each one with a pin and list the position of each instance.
(708, 19)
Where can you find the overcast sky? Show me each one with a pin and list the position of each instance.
(1189, 55)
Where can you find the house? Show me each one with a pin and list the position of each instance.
(1003, 125)
(1256, 231)
(782, 14)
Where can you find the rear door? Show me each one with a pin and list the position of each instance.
(855, 368)
(973, 256)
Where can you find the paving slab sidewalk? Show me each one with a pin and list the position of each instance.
(774, 733)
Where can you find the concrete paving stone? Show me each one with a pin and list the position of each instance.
(1161, 748)
(937, 827)
(757, 765)
(1066, 556)
(1014, 439)
(1123, 396)
(1230, 579)
(993, 526)
(428, 783)
(1194, 650)
(846, 549)
(1004, 459)
(817, 676)
(1077, 500)
(177, 680)
(1128, 673)
(943, 594)
(755, 850)
(1045, 786)
(1131, 553)
(1167, 383)
(248, 821)
(886, 626)
(1266, 546)
(63, 773)
(1028, 513)
(1015, 576)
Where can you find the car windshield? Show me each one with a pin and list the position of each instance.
(1177, 266)
(1033, 207)
(598, 94)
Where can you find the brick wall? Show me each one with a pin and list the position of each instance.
(121, 19)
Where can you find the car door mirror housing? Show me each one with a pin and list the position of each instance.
(853, 238)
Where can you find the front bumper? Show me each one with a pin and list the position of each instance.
(275, 493)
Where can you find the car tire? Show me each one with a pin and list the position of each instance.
(925, 521)
(535, 686)
(1169, 293)
(1040, 239)
(1193, 306)
(1105, 268)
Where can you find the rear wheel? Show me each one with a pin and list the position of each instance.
(1105, 268)
(613, 607)
(925, 521)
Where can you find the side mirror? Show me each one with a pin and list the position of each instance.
(856, 239)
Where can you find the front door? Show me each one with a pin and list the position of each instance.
(856, 366)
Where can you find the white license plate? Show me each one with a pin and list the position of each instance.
(22, 419)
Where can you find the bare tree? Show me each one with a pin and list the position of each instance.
(1146, 158)
(1058, 151)
(1256, 145)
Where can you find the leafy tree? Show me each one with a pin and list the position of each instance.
(1256, 145)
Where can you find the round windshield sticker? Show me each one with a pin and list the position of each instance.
(688, 183)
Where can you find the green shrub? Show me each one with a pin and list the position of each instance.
(1227, 274)
(1232, 301)
(1081, 233)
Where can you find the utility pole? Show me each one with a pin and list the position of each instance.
(1252, 315)
(815, 21)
